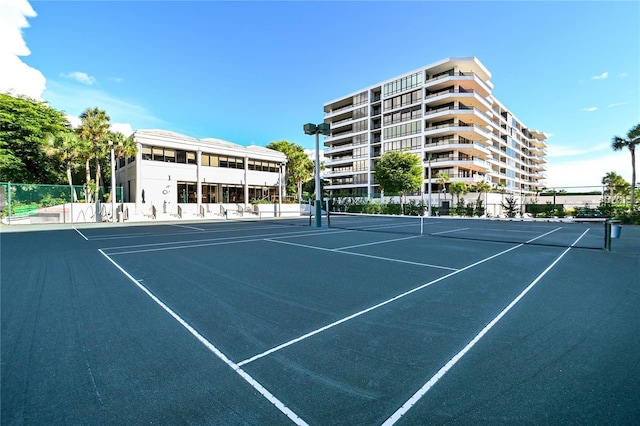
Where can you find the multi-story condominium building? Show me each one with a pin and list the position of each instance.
(445, 113)
(171, 169)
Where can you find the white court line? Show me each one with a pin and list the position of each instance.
(341, 250)
(364, 311)
(377, 242)
(189, 227)
(427, 386)
(203, 231)
(81, 234)
(448, 232)
(175, 245)
(235, 367)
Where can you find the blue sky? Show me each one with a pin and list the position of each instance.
(255, 72)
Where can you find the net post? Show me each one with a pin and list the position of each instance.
(607, 235)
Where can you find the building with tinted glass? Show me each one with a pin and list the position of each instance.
(171, 169)
(446, 114)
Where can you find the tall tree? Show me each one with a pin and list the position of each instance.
(299, 165)
(442, 179)
(481, 187)
(632, 140)
(68, 147)
(459, 189)
(615, 184)
(94, 128)
(122, 148)
(398, 172)
(25, 126)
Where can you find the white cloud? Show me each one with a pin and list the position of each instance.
(81, 77)
(587, 172)
(74, 121)
(590, 109)
(602, 76)
(558, 151)
(124, 128)
(116, 79)
(617, 104)
(311, 153)
(16, 77)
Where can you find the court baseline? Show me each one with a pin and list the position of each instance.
(237, 367)
(451, 363)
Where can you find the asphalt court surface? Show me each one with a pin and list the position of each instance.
(268, 323)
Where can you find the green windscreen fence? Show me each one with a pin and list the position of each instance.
(18, 200)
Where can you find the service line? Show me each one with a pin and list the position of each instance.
(379, 305)
(370, 256)
(449, 365)
(235, 367)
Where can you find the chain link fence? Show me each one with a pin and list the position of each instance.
(31, 203)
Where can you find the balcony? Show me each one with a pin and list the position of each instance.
(338, 110)
(339, 160)
(469, 115)
(465, 79)
(471, 148)
(467, 131)
(472, 98)
(472, 163)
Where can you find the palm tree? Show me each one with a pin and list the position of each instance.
(442, 178)
(459, 189)
(94, 128)
(301, 170)
(614, 183)
(122, 148)
(481, 187)
(632, 140)
(68, 147)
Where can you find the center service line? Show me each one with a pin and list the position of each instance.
(364, 311)
(453, 361)
(371, 308)
(253, 382)
(342, 250)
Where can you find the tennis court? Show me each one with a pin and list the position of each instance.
(276, 322)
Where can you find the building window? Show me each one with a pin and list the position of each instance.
(158, 154)
(187, 192)
(402, 130)
(233, 193)
(146, 153)
(402, 84)
(169, 155)
(402, 144)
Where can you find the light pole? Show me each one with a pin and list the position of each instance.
(312, 129)
(429, 192)
(113, 185)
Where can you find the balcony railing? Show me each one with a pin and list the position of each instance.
(458, 158)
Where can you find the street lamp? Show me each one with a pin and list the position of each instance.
(429, 210)
(312, 129)
(113, 182)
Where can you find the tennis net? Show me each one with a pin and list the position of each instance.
(560, 233)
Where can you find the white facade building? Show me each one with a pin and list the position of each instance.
(445, 113)
(171, 169)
